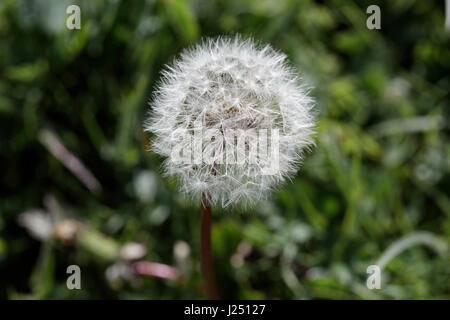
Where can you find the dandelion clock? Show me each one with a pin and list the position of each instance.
(232, 120)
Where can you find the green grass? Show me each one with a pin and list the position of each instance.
(380, 170)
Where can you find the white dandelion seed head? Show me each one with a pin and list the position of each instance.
(222, 85)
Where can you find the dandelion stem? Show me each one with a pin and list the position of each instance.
(206, 252)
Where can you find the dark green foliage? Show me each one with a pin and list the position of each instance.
(380, 169)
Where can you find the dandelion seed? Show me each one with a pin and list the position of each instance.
(211, 115)
(232, 85)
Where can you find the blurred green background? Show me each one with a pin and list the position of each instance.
(380, 170)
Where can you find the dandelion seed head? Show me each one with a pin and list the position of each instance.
(230, 85)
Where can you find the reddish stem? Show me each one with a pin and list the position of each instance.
(206, 252)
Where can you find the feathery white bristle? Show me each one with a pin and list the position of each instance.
(230, 83)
